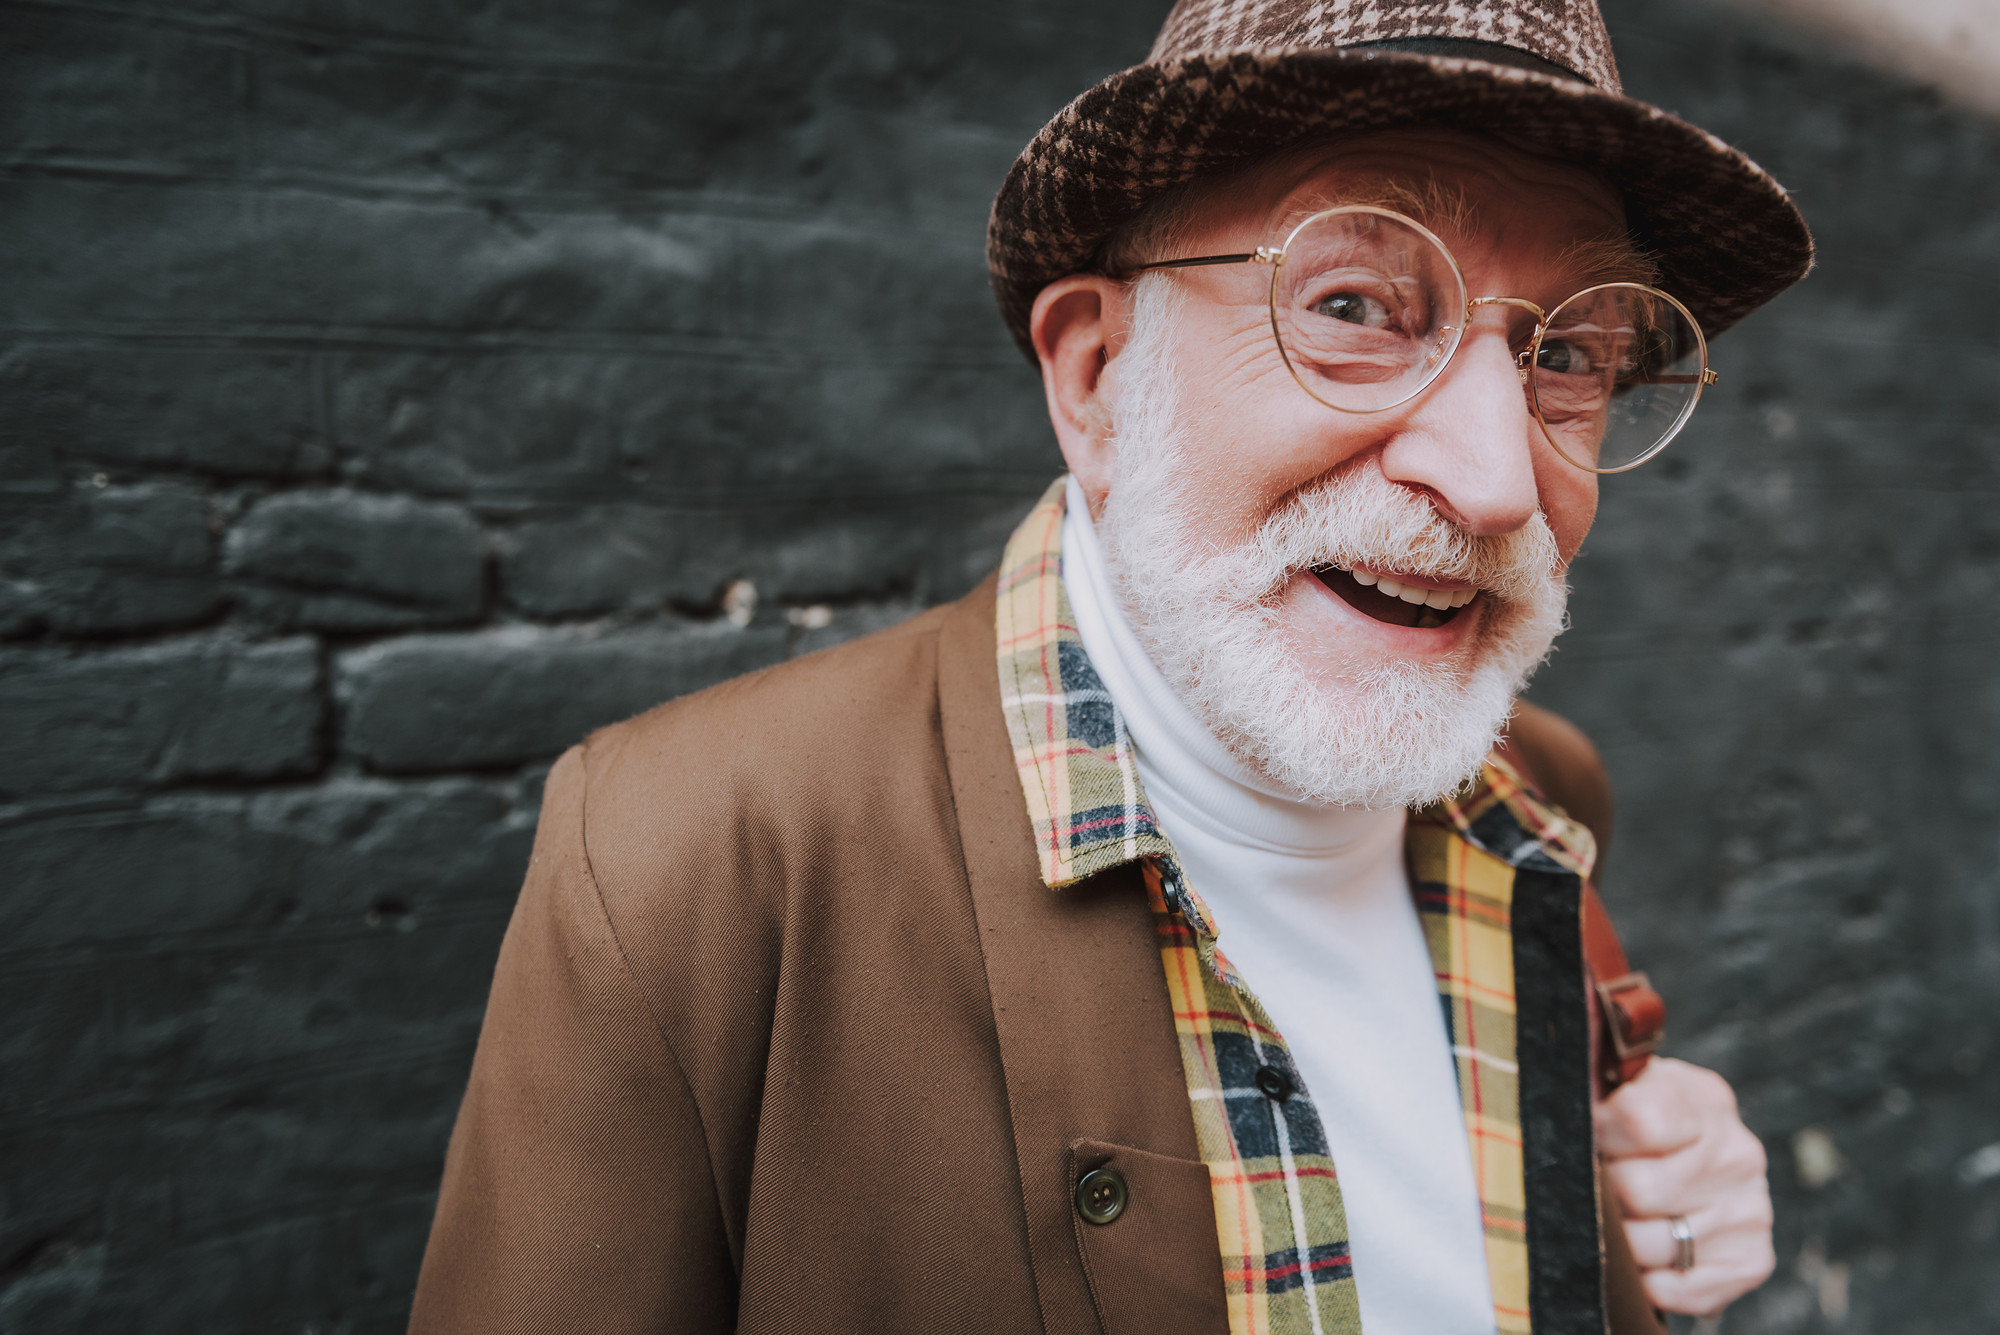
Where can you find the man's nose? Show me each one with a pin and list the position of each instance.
(1470, 440)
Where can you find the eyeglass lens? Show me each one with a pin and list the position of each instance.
(1615, 375)
(1368, 310)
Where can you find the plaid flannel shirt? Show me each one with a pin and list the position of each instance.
(1496, 875)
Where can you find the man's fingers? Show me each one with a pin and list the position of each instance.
(1675, 1146)
(1729, 1160)
(1711, 1285)
(1732, 1253)
(1735, 1230)
(1666, 1108)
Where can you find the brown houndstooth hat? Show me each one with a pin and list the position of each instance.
(1228, 80)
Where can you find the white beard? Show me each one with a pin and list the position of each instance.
(1369, 732)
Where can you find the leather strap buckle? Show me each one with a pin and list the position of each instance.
(1635, 1020)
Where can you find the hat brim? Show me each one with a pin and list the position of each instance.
(1725, 235)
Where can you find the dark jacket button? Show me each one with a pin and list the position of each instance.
(1273, 1084)
(1101, 1195)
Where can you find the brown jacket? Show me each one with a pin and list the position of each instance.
(788, 1035)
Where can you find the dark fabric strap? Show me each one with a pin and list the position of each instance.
(1466, 48)
(1559, 1161)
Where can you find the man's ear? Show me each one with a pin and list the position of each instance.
(1078, 325)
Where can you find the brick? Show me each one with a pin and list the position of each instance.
(89, 87)
(538, 428)
(618, 31)
(98, 602)
(603, 559)
(276, 610)
(207, 872)
(406, 117)
(203, 708)
(424, 558)
(22, 606)
(240, 413)
(155, 526)
(899, 139)
(108, 559)
(519, 693)
(297, 262)
(670, 105)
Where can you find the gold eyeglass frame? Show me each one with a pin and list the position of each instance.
(1523, 362)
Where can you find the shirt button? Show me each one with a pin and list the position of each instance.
(1101, 1195)
(1273, 1084)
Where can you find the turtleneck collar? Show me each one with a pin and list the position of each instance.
(1185, 768)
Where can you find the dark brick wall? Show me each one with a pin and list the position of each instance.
(389, 393)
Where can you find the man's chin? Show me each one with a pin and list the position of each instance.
(1344, 719)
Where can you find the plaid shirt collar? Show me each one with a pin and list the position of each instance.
(1498, 878)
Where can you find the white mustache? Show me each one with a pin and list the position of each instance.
(1357, 517)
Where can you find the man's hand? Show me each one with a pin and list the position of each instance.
(1674, 1145)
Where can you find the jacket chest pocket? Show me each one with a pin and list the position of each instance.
(1145, 1225)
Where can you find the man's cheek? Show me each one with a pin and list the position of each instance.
(1569, 501)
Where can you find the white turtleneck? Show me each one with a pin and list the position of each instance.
(1312, 905)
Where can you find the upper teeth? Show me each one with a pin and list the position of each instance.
(1410, 593)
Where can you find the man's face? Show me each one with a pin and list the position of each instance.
(1234, 507)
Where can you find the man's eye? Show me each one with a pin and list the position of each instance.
(1354, 308)
(1562, 358)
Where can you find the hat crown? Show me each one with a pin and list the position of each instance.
(1567, 33)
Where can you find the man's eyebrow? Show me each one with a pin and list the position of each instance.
(1612, 258)
(1439, 207)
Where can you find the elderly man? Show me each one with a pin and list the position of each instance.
(1172, 934)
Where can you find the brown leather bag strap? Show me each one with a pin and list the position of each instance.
(1634, 1016)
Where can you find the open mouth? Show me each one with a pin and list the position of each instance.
(1390, 600)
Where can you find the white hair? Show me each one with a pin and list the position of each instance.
(1369, 732)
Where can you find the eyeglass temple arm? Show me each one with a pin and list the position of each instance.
(1197, 260)
(1262, 255)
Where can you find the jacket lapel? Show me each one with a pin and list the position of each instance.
(1085, 1029)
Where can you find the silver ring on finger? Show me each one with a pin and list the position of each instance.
(1683, 1236)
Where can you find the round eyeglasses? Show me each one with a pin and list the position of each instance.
(1368, 307)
